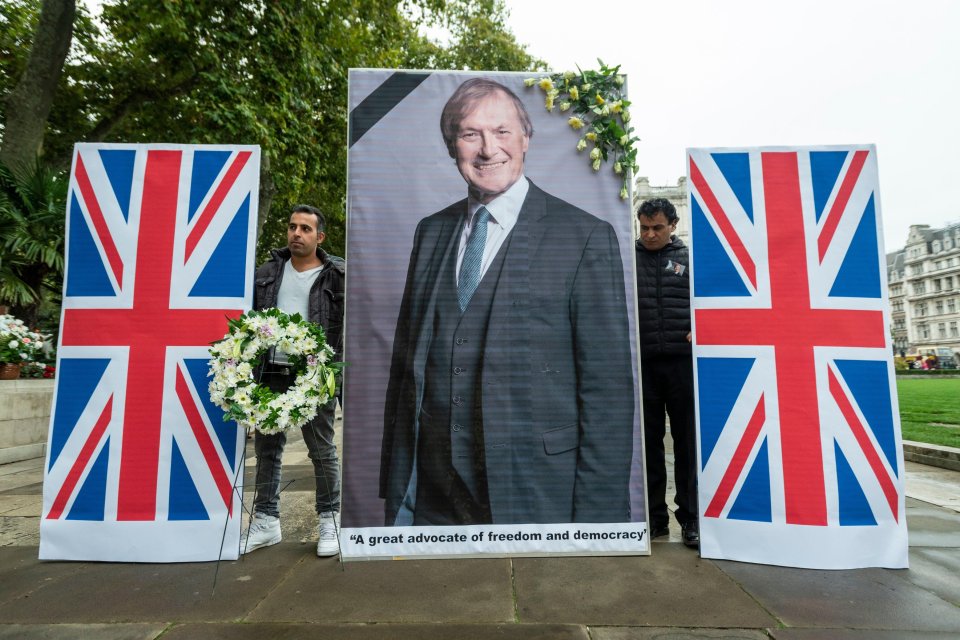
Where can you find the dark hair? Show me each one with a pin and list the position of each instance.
(463, 99)
(305, 208)
(651, 208)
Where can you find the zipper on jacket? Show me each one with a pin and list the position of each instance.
(660, 302)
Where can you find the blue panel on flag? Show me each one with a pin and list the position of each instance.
(225, 274)
(86, 273)
(206, 167)
(825, 167)
(118, 164)
(90, 500)
(226, 431)
(721, 278)
(869, 381)
(719, 381)
(78, 379)
(754, 502)
(859, 275)
(735, 167)
(185, 502)
(854, 507)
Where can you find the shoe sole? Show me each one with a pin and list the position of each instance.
(325, 554)
(254, 547)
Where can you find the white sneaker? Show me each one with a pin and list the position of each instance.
(328, 543)
(263, 532)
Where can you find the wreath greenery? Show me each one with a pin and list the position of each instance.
(235, 366)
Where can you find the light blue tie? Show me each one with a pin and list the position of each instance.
(469, 276)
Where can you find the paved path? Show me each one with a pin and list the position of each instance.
(287, 592)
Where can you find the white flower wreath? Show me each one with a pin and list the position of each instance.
(234, 367)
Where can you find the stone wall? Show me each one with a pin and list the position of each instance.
(24, 418)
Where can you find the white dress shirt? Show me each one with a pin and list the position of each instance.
(504, 211)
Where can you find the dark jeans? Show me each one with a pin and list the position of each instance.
(318, 434)
(668, 384)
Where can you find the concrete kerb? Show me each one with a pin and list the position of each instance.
(932, 455)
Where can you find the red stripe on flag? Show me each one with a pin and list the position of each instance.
(207, 447)
(99, 223)
(723, 222)
(737, 463)
(60, 503)
(218, 196)
(843, 196)
(860, 433)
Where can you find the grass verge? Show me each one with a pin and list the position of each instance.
(930, 410)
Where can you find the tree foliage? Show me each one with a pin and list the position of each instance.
(32, 203)
(266, 72)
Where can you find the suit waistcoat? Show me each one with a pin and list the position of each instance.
(453, 377)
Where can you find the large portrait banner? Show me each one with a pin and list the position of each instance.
(491, 403)
(140, 465)
(800, 451)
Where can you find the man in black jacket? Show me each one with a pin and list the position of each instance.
(666, 365)
(304, 279)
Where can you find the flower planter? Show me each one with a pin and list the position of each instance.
(9, 371)
(24, 418)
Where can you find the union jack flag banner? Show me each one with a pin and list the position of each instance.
(800, 452)
(140, 465)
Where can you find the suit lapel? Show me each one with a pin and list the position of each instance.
(513, 288)
(443, 256)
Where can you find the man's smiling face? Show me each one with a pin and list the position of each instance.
(490, 146)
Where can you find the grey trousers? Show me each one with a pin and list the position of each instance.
(318, 435)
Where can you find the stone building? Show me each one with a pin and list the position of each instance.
(676, 194)
(896, 272)
(925, 291)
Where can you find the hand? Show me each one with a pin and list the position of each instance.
(689, 337)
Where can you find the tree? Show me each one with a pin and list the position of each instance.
(31, 99)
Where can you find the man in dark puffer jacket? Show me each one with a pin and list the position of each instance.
(666, 365)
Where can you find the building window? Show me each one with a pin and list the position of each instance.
(924, 331)
(942, 329)
(939, 307)
(951, 305)
(936, 246)
(948, 283)
(919, 289)
(954, 333)
(948, 243)
(920, 310)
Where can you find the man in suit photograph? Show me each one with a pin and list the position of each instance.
(510, 397)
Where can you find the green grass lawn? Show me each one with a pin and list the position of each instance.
(930, 410)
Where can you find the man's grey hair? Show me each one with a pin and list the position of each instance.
(462, 102)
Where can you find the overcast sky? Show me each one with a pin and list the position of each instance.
(768, 72)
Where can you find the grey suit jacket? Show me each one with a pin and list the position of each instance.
(557, 384)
